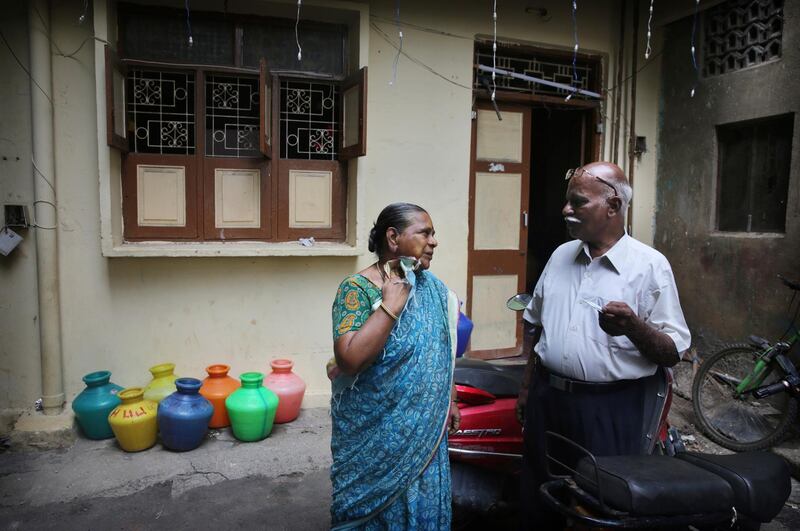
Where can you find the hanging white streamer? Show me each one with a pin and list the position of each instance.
(399, 48)
(189, 24)
(648, 50)
(296, 36)
(575, 48)
(694, 51)
(82, 18)
(494, 49)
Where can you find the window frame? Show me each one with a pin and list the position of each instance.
(199, 189)
(754, 126)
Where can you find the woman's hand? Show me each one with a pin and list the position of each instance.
(454, 422)
(395, 288)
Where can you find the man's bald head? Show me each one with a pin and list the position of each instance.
(613, 174)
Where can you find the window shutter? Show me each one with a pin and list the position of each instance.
(354, 116)
(266, 121)
(116, 126)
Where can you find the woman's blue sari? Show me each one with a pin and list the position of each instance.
(389, 443)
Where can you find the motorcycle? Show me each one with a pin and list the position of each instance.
(663, 487)
(486, 452)
(686, 491)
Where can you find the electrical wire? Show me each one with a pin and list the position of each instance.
(22, 66)
(422, 28)
(414, 60)
(33, 221)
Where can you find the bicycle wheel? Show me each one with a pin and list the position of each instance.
(739, 423)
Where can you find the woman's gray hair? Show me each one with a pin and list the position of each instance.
(397, 215)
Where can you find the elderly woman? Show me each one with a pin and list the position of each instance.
(394, 329)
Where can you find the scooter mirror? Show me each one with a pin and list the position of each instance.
(519, 302)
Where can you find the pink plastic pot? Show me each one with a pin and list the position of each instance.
(289, 387)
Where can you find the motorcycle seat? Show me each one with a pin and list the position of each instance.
(761, 481)
(500, 380)
(654, 485)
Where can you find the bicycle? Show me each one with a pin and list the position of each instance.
(745, 396)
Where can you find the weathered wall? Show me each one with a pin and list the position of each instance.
(125, 314)
(20, 382)
(727, 282)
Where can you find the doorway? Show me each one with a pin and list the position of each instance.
(517, 190)
(559, 141)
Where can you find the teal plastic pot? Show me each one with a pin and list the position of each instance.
(93, 405)
(251, 408)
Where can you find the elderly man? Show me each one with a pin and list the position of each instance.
(604, 315)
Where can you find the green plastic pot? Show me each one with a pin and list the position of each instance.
(251, 408)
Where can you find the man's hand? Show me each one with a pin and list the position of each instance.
(522, 400)
(617, 319)
(455, 419)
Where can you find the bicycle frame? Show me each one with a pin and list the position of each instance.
(764, 366)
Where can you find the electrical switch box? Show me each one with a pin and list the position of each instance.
(16, 216)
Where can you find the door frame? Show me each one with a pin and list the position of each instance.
(507, 261)
(590, 147)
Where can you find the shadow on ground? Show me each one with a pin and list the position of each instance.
(295, 501)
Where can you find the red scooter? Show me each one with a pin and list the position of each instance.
(486, 452)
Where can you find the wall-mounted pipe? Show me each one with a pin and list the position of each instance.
(45, 206)
(632, 135)
(623, 13)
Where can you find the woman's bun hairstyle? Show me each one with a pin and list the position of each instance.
(397, 215)
(372, 236)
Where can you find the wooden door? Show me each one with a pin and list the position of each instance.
(498, 231)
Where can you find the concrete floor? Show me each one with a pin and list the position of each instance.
(279, 483)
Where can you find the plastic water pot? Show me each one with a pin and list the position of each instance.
(183, 416)
(289, 387)
(252, 408)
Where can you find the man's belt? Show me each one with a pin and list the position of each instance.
(570, 385)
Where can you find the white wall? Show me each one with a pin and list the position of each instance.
(126, 314)
(20, 380)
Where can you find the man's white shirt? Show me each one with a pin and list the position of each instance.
(572, 343)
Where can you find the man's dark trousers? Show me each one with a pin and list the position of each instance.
(605, 423)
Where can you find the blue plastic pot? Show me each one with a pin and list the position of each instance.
(464, 330)
(183, 416)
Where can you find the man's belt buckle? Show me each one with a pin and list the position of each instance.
(562, 384)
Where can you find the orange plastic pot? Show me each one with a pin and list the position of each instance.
(216, 388)
(289, 387)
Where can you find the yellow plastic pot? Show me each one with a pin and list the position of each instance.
(134, 420)
(163, 383)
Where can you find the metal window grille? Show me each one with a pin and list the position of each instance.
(232, 116)
(161, 112)
(309, 120)
(741, 34)
(559, 72)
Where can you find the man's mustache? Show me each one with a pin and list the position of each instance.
(571, 219)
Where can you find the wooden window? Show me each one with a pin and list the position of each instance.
(197, 127)
(754, 161)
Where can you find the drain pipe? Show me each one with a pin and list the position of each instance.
(45, 206)
(632, 138)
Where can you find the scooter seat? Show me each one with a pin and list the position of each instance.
(654, 485)
(500, 380)
(761, 481)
